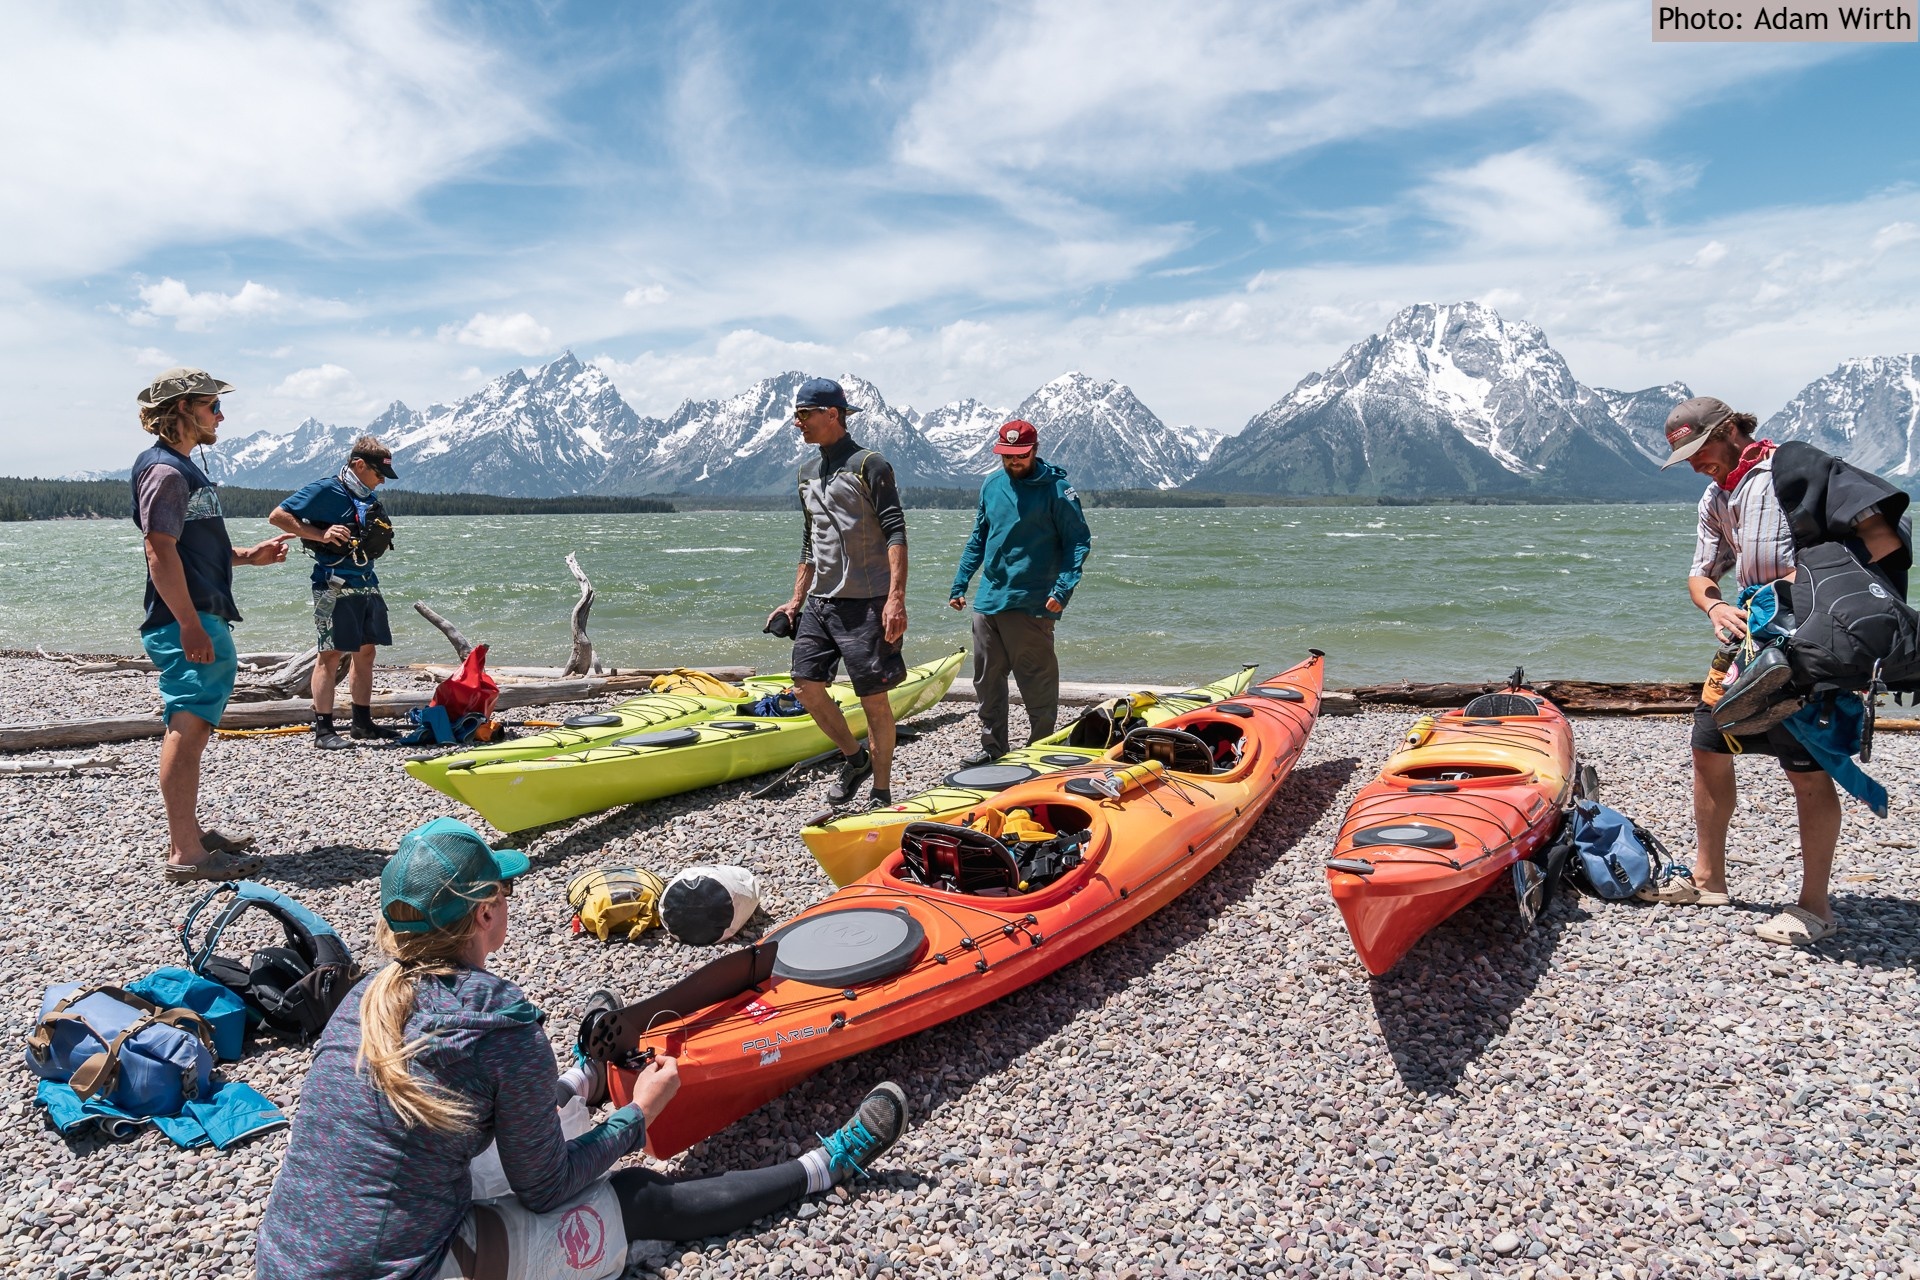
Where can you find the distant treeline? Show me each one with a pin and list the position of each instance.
(31, 499)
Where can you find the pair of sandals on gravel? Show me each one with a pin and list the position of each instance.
(1794, 927)
(227, 859)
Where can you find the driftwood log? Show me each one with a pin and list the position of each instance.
(45, 735)
(581, 660)
(61, 764)
(1588, 697)
(461, 646)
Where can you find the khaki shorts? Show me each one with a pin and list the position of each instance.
(502, 1240)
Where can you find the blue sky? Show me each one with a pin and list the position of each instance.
(337, 206)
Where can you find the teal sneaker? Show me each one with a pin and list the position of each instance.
(874, 1128)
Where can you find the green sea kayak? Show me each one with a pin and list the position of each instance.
(647, 713)
(517, 794)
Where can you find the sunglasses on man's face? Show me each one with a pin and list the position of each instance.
(215, 406)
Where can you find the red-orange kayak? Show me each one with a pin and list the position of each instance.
(1475, 791)
(964, 913)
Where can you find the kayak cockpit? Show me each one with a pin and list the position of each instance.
(1201, 747)
(998, 853)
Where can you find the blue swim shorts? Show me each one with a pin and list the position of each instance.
(199, 688)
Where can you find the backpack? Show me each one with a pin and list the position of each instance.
(1850, 619)
(469, 691)
(128, 1052)
(373, 532)
(293, 988)
(612, 902)
(1613, 856)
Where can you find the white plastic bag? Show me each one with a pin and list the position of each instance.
(490, 1180)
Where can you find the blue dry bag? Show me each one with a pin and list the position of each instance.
(1613, 856)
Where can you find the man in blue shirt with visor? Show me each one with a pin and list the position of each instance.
(1029, 542)
(341, 523)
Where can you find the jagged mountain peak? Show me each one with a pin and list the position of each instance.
(1104, 436)
(1866, 411)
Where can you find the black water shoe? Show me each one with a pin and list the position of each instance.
(854, 770)
(980, 757)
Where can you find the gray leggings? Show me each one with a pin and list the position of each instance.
(654, 1206)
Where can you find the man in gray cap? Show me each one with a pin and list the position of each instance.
(188, 629)
(1744, 529)
(850, 594)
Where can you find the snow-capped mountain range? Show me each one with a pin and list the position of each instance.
(1448, 400)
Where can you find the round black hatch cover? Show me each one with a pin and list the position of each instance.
(1278, 695)
(740, 726)
(1061, 760)
(1432, 788)
(993, 777)
(1233, 709)
(844, 948)
(664, 738)
(1415, 835)
(591, 720)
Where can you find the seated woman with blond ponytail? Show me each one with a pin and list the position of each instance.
(433, 1058)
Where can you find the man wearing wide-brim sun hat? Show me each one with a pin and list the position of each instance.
(190, 610)
(1746, 529)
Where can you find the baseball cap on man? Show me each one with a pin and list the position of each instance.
(822, 393)
(1691, 425)
(1016, 437)
(441, 870)
(181, 381)
(380, 460)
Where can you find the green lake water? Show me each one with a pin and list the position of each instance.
(1170, 595)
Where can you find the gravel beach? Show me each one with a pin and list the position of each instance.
(1625, 1091)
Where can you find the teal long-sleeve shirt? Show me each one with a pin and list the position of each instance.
(1029, 541)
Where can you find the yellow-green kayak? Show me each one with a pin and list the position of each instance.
(517, 794)
(647, 713)
(849, 847)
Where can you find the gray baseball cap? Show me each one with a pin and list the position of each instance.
(1691, 425)
(181, 381)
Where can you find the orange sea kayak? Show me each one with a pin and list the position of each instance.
(1474, 792)
(964, 913)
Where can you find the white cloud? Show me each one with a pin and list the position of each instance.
(519, 333)
(325, 384)
(1895, 234)
(1711, 254)
(645, 295)
(1059, 92)
(273, 119)
(193, 312)
(656, 383)
(153, 358)
(1522, 198)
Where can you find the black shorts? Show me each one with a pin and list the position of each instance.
(347, 620)
(1777, 741)
(833, 629)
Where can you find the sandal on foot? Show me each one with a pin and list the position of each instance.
(1796, 927)
(218, 866)
(1676, 887)
(221, 842)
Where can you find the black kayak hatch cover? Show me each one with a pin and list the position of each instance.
(664, 738)
(1061, 760)
(845, 948)
(1415, 835)
(591, 720)
(738, 726)
(993, 777)
(1280, 694)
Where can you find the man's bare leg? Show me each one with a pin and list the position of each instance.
(180, 751)
(880, 738)
(1714, 795)
(826, 713)
(1819, 808)
(326, 675)
(360, 677)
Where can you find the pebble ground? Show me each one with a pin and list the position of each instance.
(1625, 1091)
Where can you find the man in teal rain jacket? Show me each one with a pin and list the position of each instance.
(1029, 541)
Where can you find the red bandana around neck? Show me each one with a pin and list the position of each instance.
(1750, 457)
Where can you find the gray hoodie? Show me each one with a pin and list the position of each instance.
(361, 1195)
